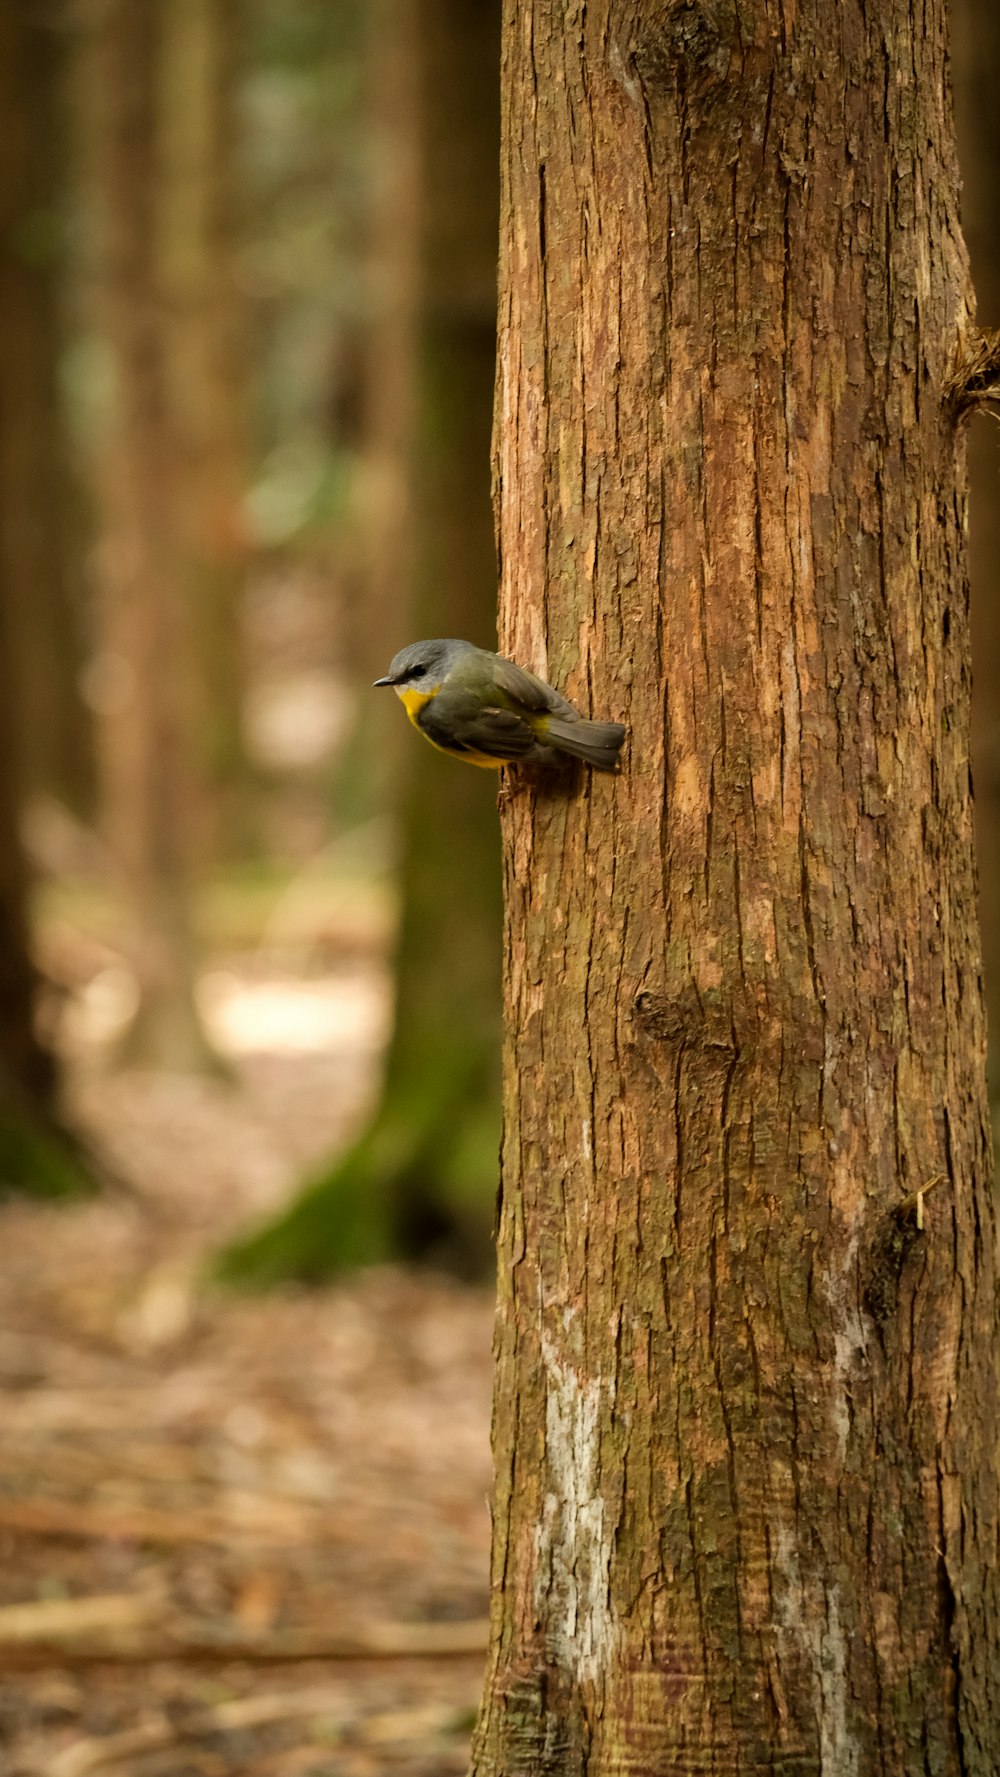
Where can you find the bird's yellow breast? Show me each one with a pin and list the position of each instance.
(414, 701)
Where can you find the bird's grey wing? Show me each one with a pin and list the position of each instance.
(532, 693)
(498, 734)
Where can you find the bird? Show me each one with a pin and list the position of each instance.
(484, 709)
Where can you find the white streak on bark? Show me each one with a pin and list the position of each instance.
(838, 1750)
(573, 1547)
(808, 1613)
(841, 1289)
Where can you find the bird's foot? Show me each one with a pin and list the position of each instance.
(513, 783)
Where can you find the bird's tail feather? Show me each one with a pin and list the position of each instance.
(597, 743)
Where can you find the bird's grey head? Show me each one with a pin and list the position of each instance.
(423, 665)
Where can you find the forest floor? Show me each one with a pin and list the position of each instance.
(305, 1474)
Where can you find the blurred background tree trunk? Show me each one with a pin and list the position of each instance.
(420, 1180)
(41, 528)
(206, 373)
(42, 731)
(975, 31)
(162, 121)
(34, 1155)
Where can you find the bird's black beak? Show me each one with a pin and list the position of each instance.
(385, 681)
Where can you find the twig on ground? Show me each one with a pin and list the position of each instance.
(57, 1619)
(274, 1523)
(203, 1645)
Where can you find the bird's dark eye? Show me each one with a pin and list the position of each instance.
(417, 672)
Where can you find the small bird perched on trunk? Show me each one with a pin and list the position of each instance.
(482, 708)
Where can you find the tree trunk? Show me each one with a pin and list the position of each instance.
(746, 1510)
(442, 1086)
(206, 367)
(167, 479)
(420, 1181)
(36, 1156)
(30, 1158)
(40, 512)
(975, 34)
(34, 695)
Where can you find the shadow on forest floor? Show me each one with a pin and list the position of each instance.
(286, 1469)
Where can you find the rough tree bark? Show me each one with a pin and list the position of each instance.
(975, 32)
(746, 1508)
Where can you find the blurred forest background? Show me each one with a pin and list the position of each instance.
(248, 309)
(249, 924)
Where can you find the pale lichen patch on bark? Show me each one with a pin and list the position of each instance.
(573, 1540)
(841, 1287)
(839, 1751)
(809, 1616)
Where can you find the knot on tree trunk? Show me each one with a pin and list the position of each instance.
(729, 1023)
(895, 1240)
(685, 1020)
(686, 46)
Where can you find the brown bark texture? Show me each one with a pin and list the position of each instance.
(745, 1424)
(975, 36)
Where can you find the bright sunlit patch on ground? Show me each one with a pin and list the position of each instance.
(296, 722)
(286, 1015)
(280, 1015)
(101, 1009)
